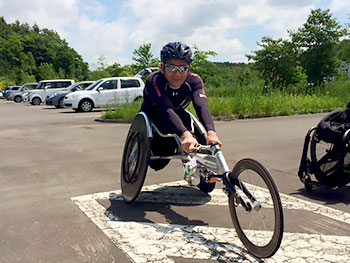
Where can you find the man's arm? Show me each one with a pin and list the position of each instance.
(200, 103)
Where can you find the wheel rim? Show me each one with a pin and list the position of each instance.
(36, 101)
(258, 225)
(86, 105)
(261, 229)
(18, 99)
(135, 159)
(132, 159)
(325, 159)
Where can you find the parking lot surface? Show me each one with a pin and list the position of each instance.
(60, 193)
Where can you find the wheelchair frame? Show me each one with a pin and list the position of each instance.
(242, 196)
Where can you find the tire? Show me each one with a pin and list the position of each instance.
(139, 100)
(36, 101)
(86, 105)
(60, 103)
(325, 158)
(18, 99)
(260, 231)
(206, 187)
(135, 160)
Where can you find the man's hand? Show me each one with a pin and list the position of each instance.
(188, 142)
(213, 138)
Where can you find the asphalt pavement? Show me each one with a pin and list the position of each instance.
(60, 195)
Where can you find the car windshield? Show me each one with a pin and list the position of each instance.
(40, 85)
(92, 86)
(27, 88)
(71, 87)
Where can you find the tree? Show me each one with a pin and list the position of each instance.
(144, 57)
(47, 71)
(30, 52)
(316, 41)
(201, 65)
(343, 50)
(277, 61)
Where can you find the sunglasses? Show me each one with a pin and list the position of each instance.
(174, 68)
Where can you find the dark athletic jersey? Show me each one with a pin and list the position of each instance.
(162, 101)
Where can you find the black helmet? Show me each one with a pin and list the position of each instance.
(176, 50)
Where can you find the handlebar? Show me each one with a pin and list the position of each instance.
(211, 148)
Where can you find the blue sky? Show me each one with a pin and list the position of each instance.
(113, 29)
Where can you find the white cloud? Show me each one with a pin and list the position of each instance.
(210, 24)
(55, 14)
(337, 5)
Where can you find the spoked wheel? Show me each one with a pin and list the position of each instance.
(86, 105)
(135, 159)
(18, 99)
(261, 228)
(324, 156)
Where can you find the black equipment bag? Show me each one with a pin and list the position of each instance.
(332, 127)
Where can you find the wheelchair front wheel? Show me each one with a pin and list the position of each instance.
(261, 228)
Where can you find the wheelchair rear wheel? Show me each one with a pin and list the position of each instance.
(324, 158)
(135, 159)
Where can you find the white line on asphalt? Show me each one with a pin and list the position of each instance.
(151, 242)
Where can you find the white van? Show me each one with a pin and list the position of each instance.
(46, 88)
(107, 91)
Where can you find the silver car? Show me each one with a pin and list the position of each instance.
(16, 96)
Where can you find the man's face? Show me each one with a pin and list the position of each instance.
(175, 71)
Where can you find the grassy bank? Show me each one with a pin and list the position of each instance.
(248, 102)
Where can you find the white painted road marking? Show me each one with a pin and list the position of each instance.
(152, 242)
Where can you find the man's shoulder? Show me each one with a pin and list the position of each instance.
(194, 79)
(155, 76)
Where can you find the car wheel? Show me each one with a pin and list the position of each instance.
(60, 103)
(85, 105)
(36, 101)
(18, 99)
(138, 100)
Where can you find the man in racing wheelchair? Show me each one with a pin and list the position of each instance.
(168, 93)
(163, 128)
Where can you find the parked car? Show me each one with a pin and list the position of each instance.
(46, 88)
(57, 98)
(145, 72)
(104, 92)
(25, 96)
(10, 89)
(16, 96)
(1, 93)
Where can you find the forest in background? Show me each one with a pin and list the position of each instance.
(315, 55)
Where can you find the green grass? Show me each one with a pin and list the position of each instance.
(122, 112)
(249, 102)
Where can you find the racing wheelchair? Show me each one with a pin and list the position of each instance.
(253, 198)
(327, 163)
